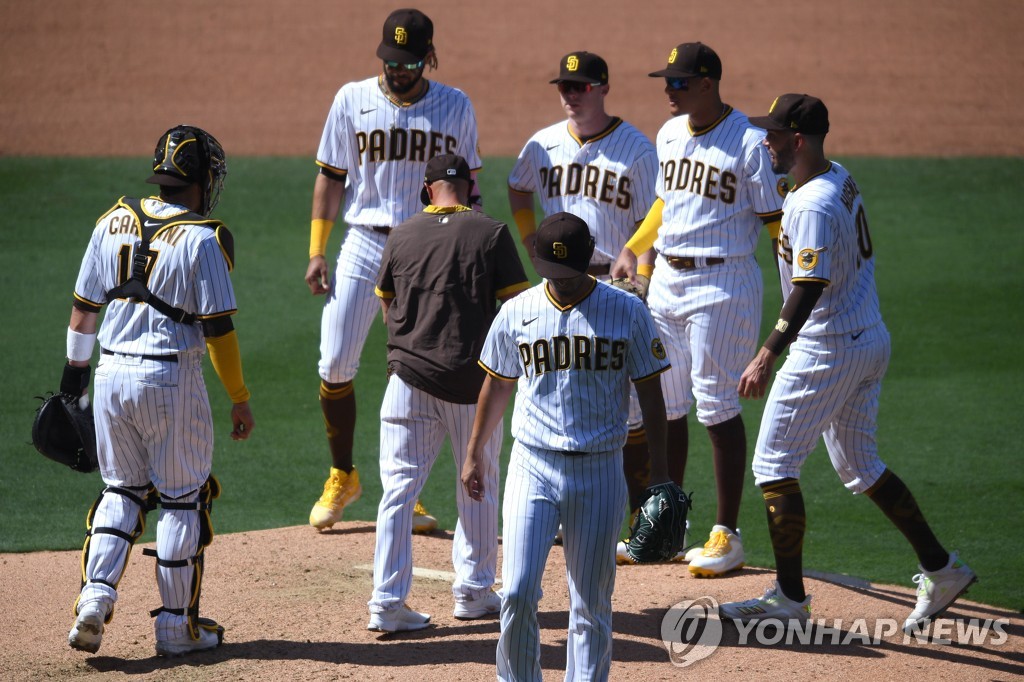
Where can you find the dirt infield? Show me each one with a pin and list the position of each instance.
(900, 78)
(939, 78)
(294, 605)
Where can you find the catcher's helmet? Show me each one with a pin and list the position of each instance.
(187, 154)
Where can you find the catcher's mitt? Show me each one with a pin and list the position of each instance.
(659, 528)
(639, 289)
(65, 433)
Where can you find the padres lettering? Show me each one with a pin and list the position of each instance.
(592, 182)
(580, 352)
(698, 178)
(399, 144)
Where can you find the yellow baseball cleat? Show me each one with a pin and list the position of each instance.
(340, 490)
(422, 521)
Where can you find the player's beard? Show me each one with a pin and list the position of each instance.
(783, 158)
(405, 87)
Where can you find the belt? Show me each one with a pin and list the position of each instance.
(382, 229)
(691, 262)
(599, 269)
(158, 358)
(574, 453)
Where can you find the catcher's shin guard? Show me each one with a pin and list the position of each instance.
(183, 532)
(115, 521)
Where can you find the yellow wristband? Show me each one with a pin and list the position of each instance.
(319, 233)
(644, 237)
(526, 221)
(227, 362)
(774, 228)
(645, 269)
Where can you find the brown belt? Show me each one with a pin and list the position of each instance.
(690, 263)
(158, 358)
(381, 229)
(600, 269)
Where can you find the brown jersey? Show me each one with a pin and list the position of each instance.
(444, 270)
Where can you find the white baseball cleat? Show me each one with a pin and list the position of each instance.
(937, 590)
(87, 632)
(772, 606)
(487, 605)
(398, 620)
(422, 520)
(723, 552)
(210, 637)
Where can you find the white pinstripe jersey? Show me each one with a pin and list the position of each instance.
(573, 364)
(825, 238)
(383, 146)
(608, 181)
(190, 271)
(717, 186)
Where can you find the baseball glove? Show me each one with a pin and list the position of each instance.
(639, 289)
(658, 529)
(66, 433)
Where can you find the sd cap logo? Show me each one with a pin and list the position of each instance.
(560, 250)
(672, 56)
(401, 37)
(572, 63)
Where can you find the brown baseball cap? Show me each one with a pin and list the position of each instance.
(582, 67)
(799, 113)
(563, 247)
(444, 167)
(690, 60)
(408, 36)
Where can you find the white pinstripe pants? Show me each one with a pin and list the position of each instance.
(412, 431)
(709, 319)
(587, 495)
(350, 305)
(828, 386)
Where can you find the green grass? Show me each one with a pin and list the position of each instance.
(949, 250)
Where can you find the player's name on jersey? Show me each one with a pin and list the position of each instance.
(562, 353)
(399, 144)
(690, 175)
(592, 182)
(125, 224)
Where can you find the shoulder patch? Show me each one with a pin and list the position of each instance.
(658, 348)
(782, 187)
(227, 245)
(808, 258)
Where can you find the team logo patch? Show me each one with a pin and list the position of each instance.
(401, 37)
(672, 56)
(782, 187)
(560, 250)
(807, 258)
(572, 63)
(658, 349)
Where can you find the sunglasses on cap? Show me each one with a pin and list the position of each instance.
(565, 87)
(678, 83)
(407, 67)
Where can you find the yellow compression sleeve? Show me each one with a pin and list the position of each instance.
(645, 269)
(319, 233)
(227, 362)
(645, 235)
(774, 228)
(526, 221)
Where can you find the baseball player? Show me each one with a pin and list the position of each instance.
(715, 191)
(437, 318)
(378, 135)
(602, 169)
(827, 265)
(572, 344)
(161, 266)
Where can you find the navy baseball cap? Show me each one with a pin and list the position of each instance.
(408, 36)
(799, 113)
(690, 60)
(582, 67)
(563, 247)
(444, 167)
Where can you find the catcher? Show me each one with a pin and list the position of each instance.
(153, 429)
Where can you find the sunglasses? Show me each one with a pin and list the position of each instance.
(407, 67)
(678, 83)
(565, 87)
